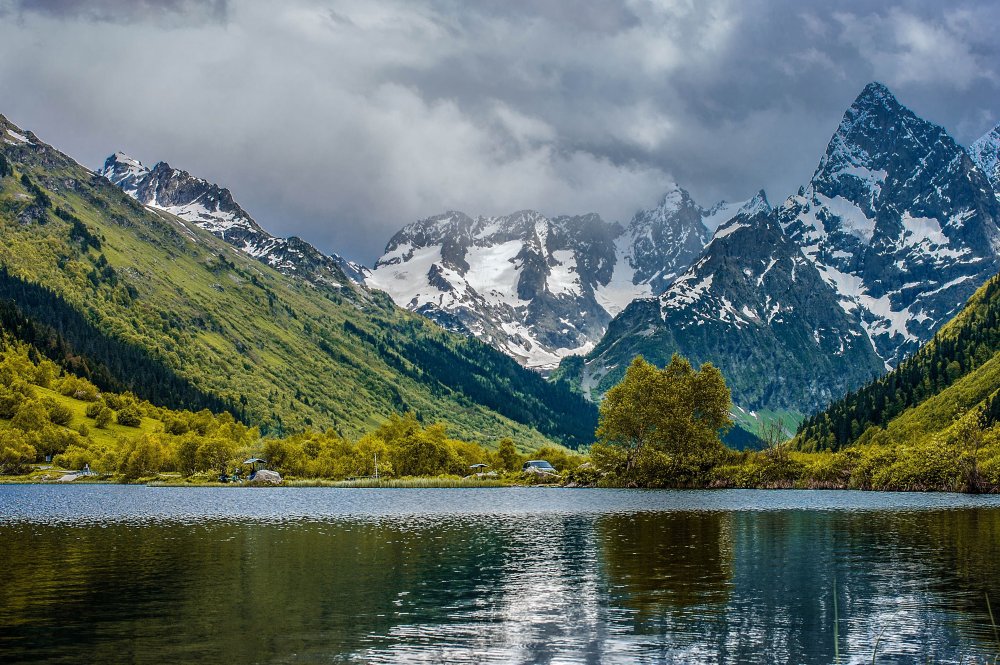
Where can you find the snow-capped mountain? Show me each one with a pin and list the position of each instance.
(212, 208)
(985, 153)
(535, 287)
(798, 305)
(898, 220)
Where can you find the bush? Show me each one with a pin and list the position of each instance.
(54, 440)
(103, 417)
(31, 416)
(130, 416)
(58, 414)
(16, 453)
(94, 408)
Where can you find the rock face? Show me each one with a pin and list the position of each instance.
(893, 233)
(899, 221)
(756, 307)
(212, 208)
(985, 153)
(539, 288)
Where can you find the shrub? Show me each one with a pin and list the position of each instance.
(31, 416)
(58, 414)
(130, 416)
(103, 417)
(16, 453)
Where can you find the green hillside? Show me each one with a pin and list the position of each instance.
(139, 300)
(956, 374)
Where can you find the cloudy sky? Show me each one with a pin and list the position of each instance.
(341, 120)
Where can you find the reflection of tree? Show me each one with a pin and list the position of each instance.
(661, 563)
(251, 593)
(953, 553)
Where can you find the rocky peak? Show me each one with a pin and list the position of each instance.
(214, 209)
(123, 171)
(985, 153)
(665, 239)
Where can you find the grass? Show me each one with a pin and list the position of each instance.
(238, 328)
(400, 483)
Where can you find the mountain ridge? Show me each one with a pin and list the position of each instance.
(540, 288)
(291, 355)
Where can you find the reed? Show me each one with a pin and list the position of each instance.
(398, 483)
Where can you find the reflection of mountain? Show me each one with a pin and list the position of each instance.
(725, 586)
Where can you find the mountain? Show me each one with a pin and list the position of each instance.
(899, 220)
(540, 288)
(799, 305)
(985, 152)
(956, 373)
(212, 208)
(753, 305)
(140, 299)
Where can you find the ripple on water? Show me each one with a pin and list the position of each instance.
(140, 574)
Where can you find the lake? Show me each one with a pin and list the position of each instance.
(111, 574)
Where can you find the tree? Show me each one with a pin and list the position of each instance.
(216, 453)
(103, 417)
(507, 456)
(773, 435)
(16, 453)
(670, 413)
(130, 416)
(142, 456)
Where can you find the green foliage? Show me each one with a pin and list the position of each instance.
(16, 453)
(507, 457)
(961, 349)
(666, 421)
(103, 417)
(57, 413)
(31, 416)
(42, 199)
(129, 416)
(137, 300)
(214, 453)
(5, 169)
(142, 456)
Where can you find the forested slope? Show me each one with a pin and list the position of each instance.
(140, 300)
(958, 371)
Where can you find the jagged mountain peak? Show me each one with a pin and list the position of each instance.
(214, 209)
(876, 94)
(985, 153)
(123, 171)
(756, 205)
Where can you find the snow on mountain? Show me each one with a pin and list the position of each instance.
(893, 233)
(985, 153)
(756, 307)
(898, 220)
(539, 288)
(212, 208)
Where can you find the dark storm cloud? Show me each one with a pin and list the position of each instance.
(121, 11)
(340, 121)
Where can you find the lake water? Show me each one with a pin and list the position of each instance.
(110, 574)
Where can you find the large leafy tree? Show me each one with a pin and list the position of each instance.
(676, 412)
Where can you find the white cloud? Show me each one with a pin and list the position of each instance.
(905, 48)
(342, 120)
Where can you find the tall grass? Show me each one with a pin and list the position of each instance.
(398, 483)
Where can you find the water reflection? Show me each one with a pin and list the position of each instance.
(514, 586)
